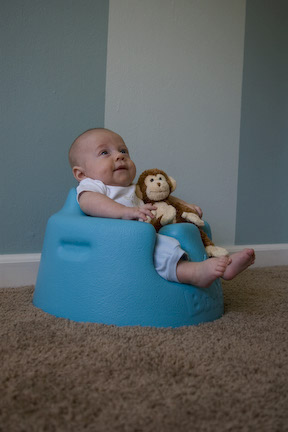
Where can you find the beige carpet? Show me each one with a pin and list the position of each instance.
(229, 375)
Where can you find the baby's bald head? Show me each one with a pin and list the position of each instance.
(83, 142)
(100, 154)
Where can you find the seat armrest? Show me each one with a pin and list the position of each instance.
(189, 238)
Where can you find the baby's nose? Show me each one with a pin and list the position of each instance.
(120, 156)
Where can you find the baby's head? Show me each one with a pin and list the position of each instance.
(101, 154)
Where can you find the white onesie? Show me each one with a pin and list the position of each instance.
(167, 250)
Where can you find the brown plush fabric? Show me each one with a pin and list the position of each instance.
(229, 375)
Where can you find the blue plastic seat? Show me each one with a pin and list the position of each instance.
(101, 270)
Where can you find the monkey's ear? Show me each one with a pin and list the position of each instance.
(173, 183)
(138, 192)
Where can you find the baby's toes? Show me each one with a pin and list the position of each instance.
(224, 262)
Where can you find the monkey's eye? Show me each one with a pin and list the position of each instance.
(151, 180)
(160, 178)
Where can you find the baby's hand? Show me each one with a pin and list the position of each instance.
(140, 213)
(148, 212)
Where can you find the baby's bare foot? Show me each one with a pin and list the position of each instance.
(239, 261)
(204, 273)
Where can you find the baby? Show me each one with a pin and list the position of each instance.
(102, 165)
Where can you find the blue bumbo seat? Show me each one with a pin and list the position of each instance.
(101, 270)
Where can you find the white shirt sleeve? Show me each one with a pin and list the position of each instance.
(89, 185)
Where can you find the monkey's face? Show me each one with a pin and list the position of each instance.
(157, 187)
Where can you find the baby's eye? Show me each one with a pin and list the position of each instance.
(104, 152)
(124, 151)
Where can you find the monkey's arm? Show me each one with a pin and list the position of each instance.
(193, 207)
(188, 214)
(193, 217)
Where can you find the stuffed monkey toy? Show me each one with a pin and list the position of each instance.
(155, 186)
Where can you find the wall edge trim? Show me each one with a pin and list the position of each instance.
(18, 270)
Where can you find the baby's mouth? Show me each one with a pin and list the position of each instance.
(120, 168)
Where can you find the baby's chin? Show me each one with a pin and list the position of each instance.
(124, 182)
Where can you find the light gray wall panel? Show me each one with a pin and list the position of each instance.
(174, 76)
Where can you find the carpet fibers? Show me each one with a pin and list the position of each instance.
(228, 375)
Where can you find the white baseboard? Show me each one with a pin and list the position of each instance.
(267, 255)
(21, 269)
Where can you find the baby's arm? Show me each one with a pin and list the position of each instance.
(99, 205)
(192, 206)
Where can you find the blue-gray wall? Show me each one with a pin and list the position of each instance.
(53, 71)
(262, 210)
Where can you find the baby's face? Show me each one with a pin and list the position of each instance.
(106, 158)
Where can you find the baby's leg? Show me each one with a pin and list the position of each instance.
(171, 264)
(239, 261)
(204, 273)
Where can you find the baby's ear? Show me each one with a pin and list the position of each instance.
(138, 192)
(78, 173)
(173, 183)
